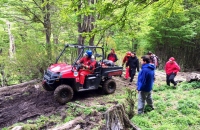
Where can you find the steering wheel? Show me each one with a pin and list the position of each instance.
(78, 66)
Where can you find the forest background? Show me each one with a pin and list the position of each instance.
(33, 32)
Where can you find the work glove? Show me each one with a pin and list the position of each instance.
(82, 65)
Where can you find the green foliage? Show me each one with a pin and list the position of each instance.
(87, 111)
(160, 88)
(30, 127)
(174, 26)
(68, 118)
(37, 61)
(40, 123)
(170, 113)
(188, 107)
(183, 122)
(167, 127)
(130, 102)
(101, 108)
(142, 122)
(189, 86)
(161, 107)
(42, 120)
(5, 129)
(155, 117)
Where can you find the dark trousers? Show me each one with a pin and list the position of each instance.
(132, 73)
(170, 78)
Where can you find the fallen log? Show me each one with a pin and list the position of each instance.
(69, 124)
(18, 128)
(116, 119)
(193, 77)
(78, 127)
(8, 88)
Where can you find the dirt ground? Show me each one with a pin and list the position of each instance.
(29, 100)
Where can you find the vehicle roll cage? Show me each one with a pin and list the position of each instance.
(82, 47)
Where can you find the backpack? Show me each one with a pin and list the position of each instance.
(156, 59)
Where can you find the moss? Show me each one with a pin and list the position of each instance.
(30, 127)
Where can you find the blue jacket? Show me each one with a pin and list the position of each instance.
(146, 78)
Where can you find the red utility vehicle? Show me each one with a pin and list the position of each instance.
(63, 78)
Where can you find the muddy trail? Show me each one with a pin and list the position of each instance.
(27, 101)
(30, 100)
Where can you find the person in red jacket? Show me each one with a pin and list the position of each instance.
(88, 63)
(112, 56)
(125, 60)
(171, 69)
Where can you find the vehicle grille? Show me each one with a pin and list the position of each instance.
(48, 73)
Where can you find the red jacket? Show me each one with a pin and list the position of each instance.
(88, 62)
(125, 60)
(112, 57)
(171, 67)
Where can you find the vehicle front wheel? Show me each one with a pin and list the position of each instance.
(63, 94)
(109, 86)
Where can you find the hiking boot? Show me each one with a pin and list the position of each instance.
(125, 78)
(148, 108)
(175, 85)
(152, 107)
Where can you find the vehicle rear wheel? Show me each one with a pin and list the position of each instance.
(63, 94)
(109, 86)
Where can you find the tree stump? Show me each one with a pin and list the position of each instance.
(116, 119)
(193, 77)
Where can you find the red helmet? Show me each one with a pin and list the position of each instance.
(128, 53)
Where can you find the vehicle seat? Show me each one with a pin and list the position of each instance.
(97, 67)
(108, 62)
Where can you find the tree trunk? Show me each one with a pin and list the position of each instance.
(116, 119)
(85, 25)
(11, 40)
(47, 21)
(47, 27)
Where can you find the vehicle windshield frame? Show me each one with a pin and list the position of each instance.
(82, 48)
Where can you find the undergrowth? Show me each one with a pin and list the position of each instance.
(175, 109)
